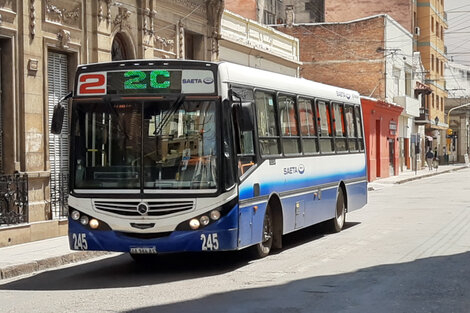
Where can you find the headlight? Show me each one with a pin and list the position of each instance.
(194, 223)
(94, 224)
(84, 220)
(75, 215)
(204, 220)
(215, 215)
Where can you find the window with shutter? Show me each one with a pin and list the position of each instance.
(57, 75)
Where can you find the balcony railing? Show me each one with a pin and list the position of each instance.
(423, 115)
(13, 199)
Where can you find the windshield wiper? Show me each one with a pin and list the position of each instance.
(174, 106)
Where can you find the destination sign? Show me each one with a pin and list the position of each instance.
(154, 81)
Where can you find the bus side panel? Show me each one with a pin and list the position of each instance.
(357, 195)
(250, 225)
(258, 222)
(304, 210)
(244, 226)
(322, 208)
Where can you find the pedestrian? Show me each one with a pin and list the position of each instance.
(429, 158)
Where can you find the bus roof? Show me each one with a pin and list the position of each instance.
(238, 74)
(243, 75)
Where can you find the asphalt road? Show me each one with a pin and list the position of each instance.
(408, 250)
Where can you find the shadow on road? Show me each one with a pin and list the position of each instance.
(437, 284)
(122, 271)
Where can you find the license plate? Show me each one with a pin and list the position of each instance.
(143, 250)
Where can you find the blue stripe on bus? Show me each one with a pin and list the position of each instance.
(267, 187)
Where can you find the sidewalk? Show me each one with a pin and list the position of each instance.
(409, 175)
(41, 255)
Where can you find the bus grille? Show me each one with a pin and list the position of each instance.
(155, 208)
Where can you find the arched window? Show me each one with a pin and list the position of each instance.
(118, 49)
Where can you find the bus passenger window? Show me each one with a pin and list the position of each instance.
(324, 123)
(351, 128)
(307, 126)
(340, 131)
(267, 123)
(289, 127)
(358, 118)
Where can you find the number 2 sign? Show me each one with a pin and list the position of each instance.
(91, 84)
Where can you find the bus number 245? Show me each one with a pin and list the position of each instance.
(209, 242)
(79, 241)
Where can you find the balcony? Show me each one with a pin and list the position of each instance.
(410, 105)
(423, 117)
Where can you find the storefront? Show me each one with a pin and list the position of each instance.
(381, 134)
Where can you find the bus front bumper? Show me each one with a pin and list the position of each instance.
(208, 239)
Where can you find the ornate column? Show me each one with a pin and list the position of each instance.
(215, 9)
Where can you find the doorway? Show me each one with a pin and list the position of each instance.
(378, 171)
(391, 156)
(57, 74)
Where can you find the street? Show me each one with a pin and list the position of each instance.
(408, 250)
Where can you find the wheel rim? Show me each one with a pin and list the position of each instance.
(267, 233)
(340, 212)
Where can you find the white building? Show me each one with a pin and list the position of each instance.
(404, 75)
(250, 43)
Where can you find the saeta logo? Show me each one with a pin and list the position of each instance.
(208, 80)
(192, 81)
(300, 169)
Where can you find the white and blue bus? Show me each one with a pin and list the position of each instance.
(176, 155)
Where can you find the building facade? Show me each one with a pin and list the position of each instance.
(361, 55)
(262, 11)
(432, 22)
(381, 120)
(427, 22)
(41, 43)
(252, 44)
(457, 137)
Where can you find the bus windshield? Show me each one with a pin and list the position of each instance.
(146, 145)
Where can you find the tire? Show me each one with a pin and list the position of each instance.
(262, 249)
(336, 224)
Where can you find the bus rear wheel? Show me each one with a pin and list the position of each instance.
(336, 224)
(262, 249)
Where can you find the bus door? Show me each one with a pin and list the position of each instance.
(243, 121)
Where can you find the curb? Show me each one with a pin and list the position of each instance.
(44, 264)
(429, 175)
(406, 180)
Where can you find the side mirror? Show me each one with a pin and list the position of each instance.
(57, 119)
(58, 115)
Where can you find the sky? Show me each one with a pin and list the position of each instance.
(457, 36)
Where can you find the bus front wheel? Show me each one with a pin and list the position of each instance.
(336, 224)
(262, 249)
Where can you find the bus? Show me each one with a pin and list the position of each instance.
(178, 155)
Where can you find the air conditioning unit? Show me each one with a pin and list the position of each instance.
(417, 31)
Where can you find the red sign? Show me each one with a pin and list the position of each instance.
(92, 84)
